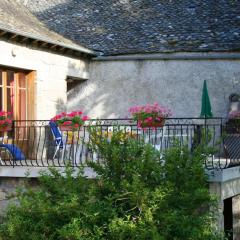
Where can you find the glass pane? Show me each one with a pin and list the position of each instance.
(22, 104)
(10, 78)
(22, 80)
(10, 100)
(0, 77)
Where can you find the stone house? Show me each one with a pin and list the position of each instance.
(105, 56)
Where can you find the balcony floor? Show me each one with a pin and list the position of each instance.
(35, 171)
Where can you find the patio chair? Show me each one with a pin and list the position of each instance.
(57, 138)
(232, 149)
(12, 151)
(68, 144)
(228, 154)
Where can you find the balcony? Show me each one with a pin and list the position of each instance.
(34, 145)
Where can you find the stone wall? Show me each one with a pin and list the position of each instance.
(116, 85)
(236, 217)
(51, 73)
(8, 188)
(228, 188)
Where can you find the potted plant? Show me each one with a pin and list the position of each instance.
(5, 121)
(150, 115)
(70, 121)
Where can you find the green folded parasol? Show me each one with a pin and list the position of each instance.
(206, 110)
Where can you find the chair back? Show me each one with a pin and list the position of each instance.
(231, 148)
(16, 152)
(231, 145)
(56, 133)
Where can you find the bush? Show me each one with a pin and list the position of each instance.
(135, 196)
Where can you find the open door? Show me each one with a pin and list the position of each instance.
(17, 91)
(228, 218)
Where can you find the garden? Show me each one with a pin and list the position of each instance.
(136, 195)
(139, 192)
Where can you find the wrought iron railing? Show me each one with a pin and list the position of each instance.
(33, 144)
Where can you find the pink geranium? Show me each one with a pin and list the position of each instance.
(150, 115)
(85, 118)
(73, 119)
(67, 123)
(5, 119)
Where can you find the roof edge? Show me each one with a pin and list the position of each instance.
(173, 56)
(39, 38)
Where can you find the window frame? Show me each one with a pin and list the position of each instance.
(29, 92)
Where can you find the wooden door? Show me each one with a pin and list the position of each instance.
(17, 89)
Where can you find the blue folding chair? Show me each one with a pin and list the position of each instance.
(14, 151)
(57, 137)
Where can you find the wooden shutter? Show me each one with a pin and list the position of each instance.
(31, 102)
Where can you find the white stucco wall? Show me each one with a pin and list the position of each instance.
(114, 86)
(51, 72)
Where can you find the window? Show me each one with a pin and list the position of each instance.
(16, 93)
(74, 87)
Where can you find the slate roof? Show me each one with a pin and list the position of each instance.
(144, 26)
(17, 19)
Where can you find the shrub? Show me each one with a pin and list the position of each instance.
(135, 196)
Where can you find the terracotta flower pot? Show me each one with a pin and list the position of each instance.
(5, 128)
(69, 128)
(153, 124)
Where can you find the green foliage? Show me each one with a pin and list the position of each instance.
(184, 212)
(135, 196)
